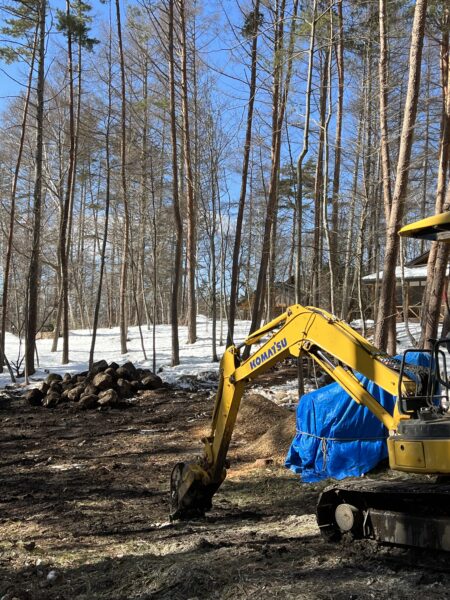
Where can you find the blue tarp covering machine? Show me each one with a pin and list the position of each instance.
(337, 438)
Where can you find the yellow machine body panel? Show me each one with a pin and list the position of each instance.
(419, 456)
(407, 454)
(435, 228)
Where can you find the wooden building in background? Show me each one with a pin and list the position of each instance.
(414, 281)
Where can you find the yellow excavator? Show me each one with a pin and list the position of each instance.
(410, 512)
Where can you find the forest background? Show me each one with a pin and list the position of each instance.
(164, 159)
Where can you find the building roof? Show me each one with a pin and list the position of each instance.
(411, 274)
(419, 261)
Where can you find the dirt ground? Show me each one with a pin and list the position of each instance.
(84, 514)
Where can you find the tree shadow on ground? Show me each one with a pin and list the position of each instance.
(306, 568)
(204, 571)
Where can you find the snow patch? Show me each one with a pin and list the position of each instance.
(195, 359)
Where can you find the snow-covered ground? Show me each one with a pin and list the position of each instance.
(195, 358)
(403, 340)
(284, 394)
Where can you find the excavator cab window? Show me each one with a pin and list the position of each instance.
(425, 379)
(432, 384)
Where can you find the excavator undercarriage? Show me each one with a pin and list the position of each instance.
(400, 513)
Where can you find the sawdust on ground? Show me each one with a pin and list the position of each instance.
(263, 430)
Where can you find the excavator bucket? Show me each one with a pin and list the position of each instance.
(191, 491)
(435, 228)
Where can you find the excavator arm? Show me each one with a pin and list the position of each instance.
(331, 343)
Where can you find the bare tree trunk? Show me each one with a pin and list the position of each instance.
(72, 187)
(405, 296)
(136, 307)
(67, 201)
(438, 258)
(70, 194)
(278, 110)
(123, 166)
(386, 309)
(215, 196)
(348, 245)
(146, 170)
(270, 305)
(293, 234)
(359, 263)
(426, 158)
(34, 268)
(57, 329)
(255, 20)
(334, 237)
(302, 155)
(383, 74)
(155, 247)
(278, 120)
(319, 188)
(326, 225)
(222, 289)
(383, 97)
(107, 207)
(175, 193)
(191, 251)
(12, 215)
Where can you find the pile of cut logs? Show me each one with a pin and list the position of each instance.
(104, 385)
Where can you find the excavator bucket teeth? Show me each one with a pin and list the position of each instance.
(189, 496)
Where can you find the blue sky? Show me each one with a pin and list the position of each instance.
(13, 76)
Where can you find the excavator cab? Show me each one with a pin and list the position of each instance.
(436, 400)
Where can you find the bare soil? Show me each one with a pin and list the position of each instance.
(84, 513)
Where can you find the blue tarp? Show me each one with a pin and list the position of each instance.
(338, 438)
